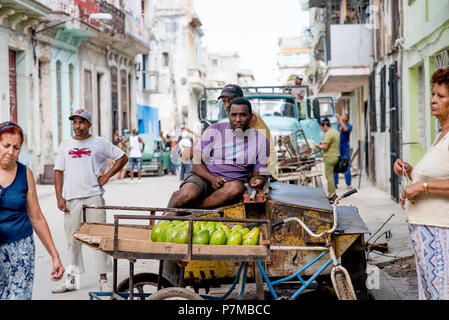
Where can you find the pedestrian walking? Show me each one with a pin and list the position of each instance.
(78, 182)
(135, 155)
(331, 151)
(185, 154)
(20, 215)
(427, 207)
(345, 129)
(174, 154)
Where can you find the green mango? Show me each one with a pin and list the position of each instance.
(236, 228)
(228, 233)
(157, 229)
(201, 237)
(251, 238)
(163, 233)
(196, 228)
(171, 234)
(177, 222)
(225, 227)
(211, 226)
(182, 236)
(218, 238)
(235, 238)
(244, 231)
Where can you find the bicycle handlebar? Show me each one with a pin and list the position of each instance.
(348, 193)
(334, 209)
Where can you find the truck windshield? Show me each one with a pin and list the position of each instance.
(274, 107)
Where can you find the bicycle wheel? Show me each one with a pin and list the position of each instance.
(342, 284)
(175, 293)
(143, 283)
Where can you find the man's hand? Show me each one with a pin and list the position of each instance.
(62, 205)
(103, 180)
(170, 214)
(257, 182)
(218, 182)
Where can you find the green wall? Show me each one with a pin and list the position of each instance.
(426, 33)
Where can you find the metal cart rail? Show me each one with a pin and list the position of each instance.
(177, 252)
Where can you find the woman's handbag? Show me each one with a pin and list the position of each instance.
(341, 166)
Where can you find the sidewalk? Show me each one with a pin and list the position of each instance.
(375, 207)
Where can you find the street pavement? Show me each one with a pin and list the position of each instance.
(374, 205)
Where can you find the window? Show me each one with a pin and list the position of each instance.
(165, 59)
(383, 100)
(372, 102)
(88, 90)
(71, 85)
(422, 108)
(144, 69)
(214, 62)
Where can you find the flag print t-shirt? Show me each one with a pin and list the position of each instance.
(82, 162)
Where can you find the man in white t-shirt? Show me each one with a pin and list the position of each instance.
(135, 154)
(78, 181)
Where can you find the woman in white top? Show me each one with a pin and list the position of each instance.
(427, 210)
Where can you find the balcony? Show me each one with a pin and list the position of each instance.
(350, 58)
(21, 15)
(195, 79)
(151, 81)
(136, 28)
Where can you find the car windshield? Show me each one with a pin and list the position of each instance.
(274, 107)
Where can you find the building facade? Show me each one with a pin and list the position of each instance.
(425, 48)
(62, 57)
(342, 55)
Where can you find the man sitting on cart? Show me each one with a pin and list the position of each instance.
(228, 155)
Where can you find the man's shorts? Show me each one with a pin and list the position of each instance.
(135, 163)
(204, 185)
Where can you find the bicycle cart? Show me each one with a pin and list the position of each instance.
(302, 239)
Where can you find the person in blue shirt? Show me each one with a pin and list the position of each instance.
(345, 128)
(20, 215)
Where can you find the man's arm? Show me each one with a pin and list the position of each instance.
(118, 165)
(322, 146)
(58, 183)
(201, 170)
(343, 125)
(143, 143)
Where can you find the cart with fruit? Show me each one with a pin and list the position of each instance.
(288, 234)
